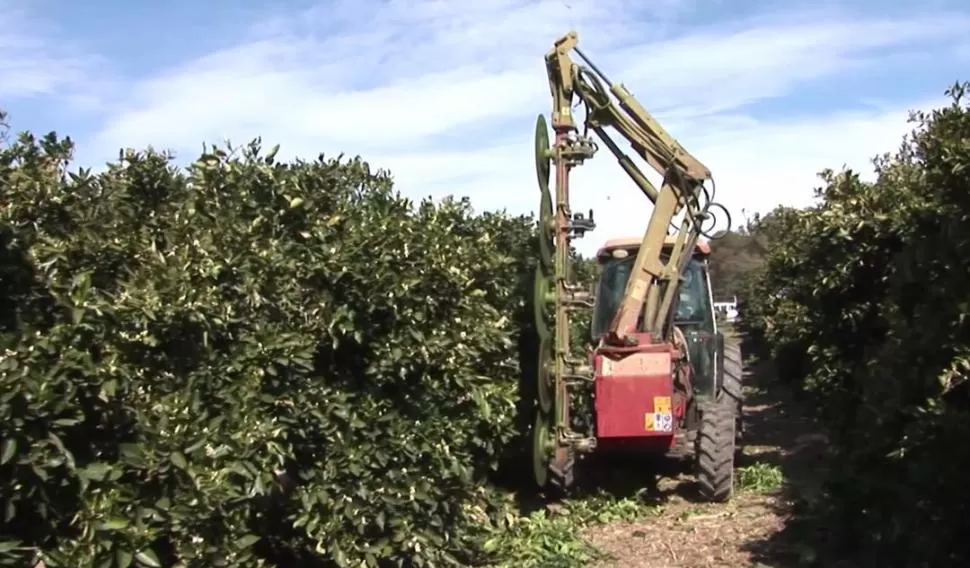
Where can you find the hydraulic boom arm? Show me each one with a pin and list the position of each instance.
(652, 284)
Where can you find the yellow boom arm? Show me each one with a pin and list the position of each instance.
(652, 285)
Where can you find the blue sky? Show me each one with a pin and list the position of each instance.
(444, 94)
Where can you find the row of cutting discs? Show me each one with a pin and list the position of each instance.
(548, 407)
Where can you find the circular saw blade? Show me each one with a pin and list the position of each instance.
(540, 300)
(541, 449)
(546, 230)
(542, 155)
(545, 376)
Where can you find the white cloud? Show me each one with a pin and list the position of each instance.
(756, 165)
(720, 69)
(36, 62)
(445, 94)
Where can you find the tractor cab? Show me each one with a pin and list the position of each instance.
(693, 310)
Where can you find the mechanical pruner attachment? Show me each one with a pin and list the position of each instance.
(543, 159)
(580, 224)
(577, 149)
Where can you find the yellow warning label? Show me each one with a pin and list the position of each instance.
(661, 404)
(648, 422)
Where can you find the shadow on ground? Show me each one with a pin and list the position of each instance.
(781, 433)
(616, 477)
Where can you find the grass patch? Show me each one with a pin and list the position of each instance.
(555, 537)
(759, 478)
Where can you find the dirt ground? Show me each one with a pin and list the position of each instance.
(785, 449)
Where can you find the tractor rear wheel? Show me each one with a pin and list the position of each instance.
(715, 445)
(732, 386)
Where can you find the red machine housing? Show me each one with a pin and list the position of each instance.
(636, 403)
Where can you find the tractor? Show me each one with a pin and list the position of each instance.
(663, 376)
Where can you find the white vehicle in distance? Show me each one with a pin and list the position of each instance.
(727, 310)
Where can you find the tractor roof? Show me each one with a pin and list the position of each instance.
(632, 243)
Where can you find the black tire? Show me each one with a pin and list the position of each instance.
(732, 386)
(715, 450)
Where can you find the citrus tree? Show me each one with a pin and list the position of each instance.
(247, 362)
(864, 302)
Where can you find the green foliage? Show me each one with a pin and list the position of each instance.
(733, 254)
(249, 363)
(864, 302)
(546, 538)
(585, 274)
(759, 478)
(738, 253)
(766, 232)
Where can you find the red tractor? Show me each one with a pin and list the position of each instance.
(661, 371)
